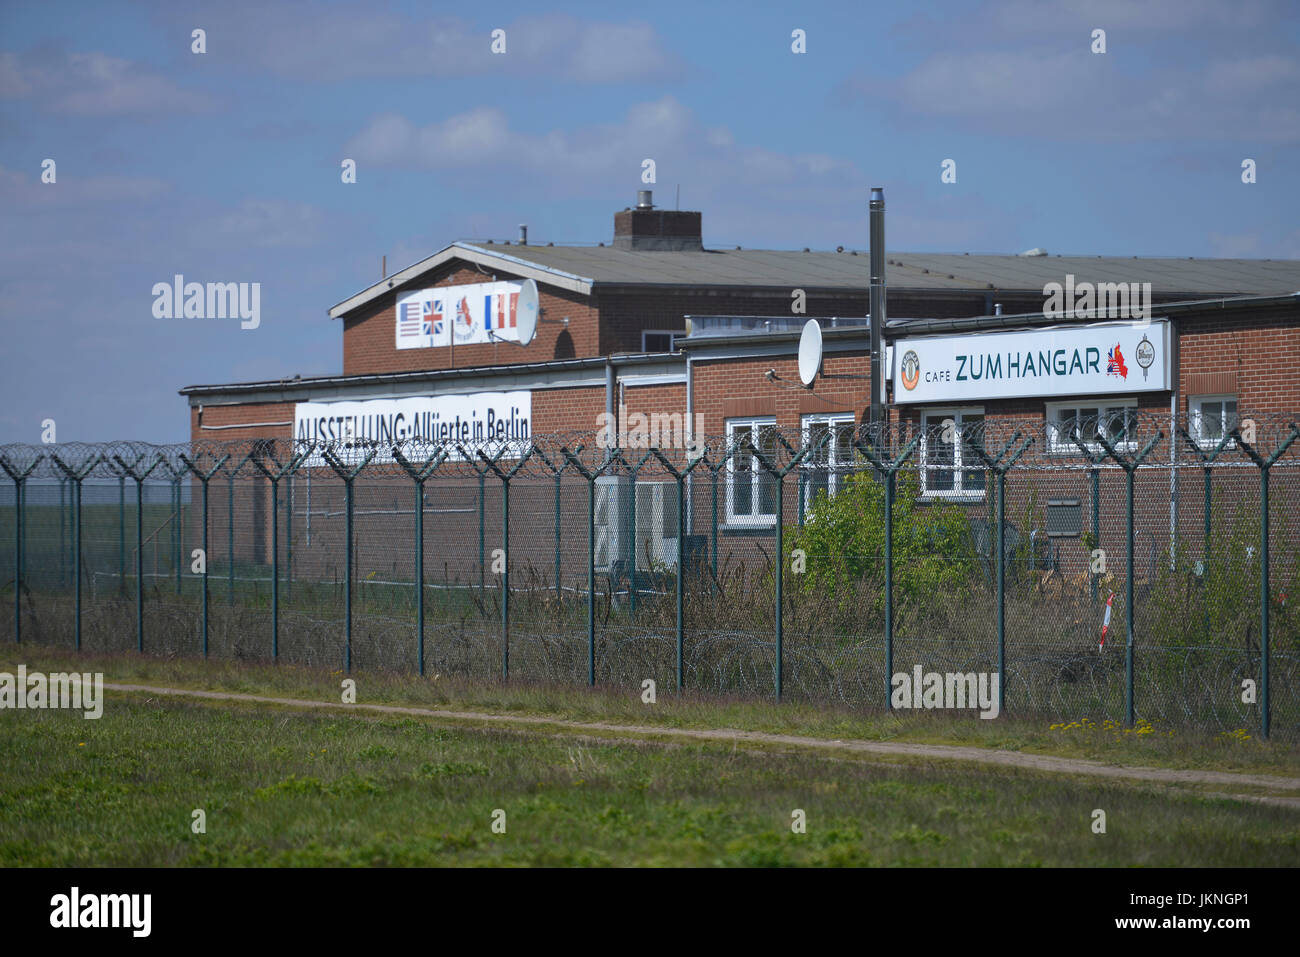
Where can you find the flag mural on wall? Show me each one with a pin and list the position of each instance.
(463, 315)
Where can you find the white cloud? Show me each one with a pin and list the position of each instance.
(1059, 95)
(92, 84)
(316, 43)
(268, 223)
(20, 190)
(663, 130)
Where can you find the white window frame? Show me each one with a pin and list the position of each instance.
(837, 470)
(674, 335)
(1058, 444)
(756, 473)
(932, 417)
(1195, 404)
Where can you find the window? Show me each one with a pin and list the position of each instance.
(751, 490)
(1211, 418)
(830, 439)
(1116, 420)
(949, 468)
(660, 340)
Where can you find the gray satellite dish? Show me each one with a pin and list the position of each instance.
(810, 351)
(527, 311)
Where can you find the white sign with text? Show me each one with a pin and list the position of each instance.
(475, 421)
(1108, 358)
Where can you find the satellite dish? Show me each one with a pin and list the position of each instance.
(810, 351)
(527, 311)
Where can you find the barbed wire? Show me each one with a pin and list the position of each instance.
(1076, 443)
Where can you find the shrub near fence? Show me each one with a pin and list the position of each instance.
(556, 559)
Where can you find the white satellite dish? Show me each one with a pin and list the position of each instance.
(810, 351)
(527, 311)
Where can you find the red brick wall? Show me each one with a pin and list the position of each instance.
(368, 335)
(1259, 359)
(241, 414)
(739, 387)
(567, 410)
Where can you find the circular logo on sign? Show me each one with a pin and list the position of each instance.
(1146, 353)
(911, 370)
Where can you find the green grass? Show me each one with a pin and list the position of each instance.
(1160, 747)
(298, 788)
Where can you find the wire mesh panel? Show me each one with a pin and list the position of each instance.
(874, 567)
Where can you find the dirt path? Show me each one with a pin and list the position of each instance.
(942, 752)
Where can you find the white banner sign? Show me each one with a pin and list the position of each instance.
(476, 421)
(465, 315)
(1111, 358)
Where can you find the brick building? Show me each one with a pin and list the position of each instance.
(655, 322)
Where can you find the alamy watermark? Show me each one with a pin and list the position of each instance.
(75, 910)
(36, 691)
(179, 299)
(954, 690)
(649, 430)
(1109, 300)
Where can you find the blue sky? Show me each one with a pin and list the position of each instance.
(225, 166)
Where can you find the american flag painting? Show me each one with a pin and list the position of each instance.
(410, 320)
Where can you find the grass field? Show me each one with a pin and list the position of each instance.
(283, 786)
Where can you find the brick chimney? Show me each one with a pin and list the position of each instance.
(657, 230)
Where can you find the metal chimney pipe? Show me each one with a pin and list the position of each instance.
(877, 207)
(643, 199)
(523, 234)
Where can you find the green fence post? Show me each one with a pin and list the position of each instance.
(63, 537)
(273, 475)
(348, 476)
(230, 535)
(887, 470)
(713, 544)
(1000, 466)
(778, 475)
(121, 533)
(1130, 468)
(204, 477)
(590, 475)
(1096, 524)
(19, 476)
(1264, 465)
(177, 522)
(288, 540)
(505, 475)
(75, 477)
(139, 538)
(558, 595)
(680, 476)
(419, 473)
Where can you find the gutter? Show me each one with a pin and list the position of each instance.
(900, 327)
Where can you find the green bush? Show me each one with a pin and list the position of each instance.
(843, 537)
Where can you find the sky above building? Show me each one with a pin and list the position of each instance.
(228, 165)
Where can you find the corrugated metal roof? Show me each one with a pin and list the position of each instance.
(580, 268)
(922, 271)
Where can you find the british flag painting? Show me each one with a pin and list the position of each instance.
(1115, 363)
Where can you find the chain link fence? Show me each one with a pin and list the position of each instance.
(869, 566)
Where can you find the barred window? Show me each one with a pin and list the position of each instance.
(949, 467)
(830, 459)
(1115, 420)
(1211, 418)
(751, 490)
